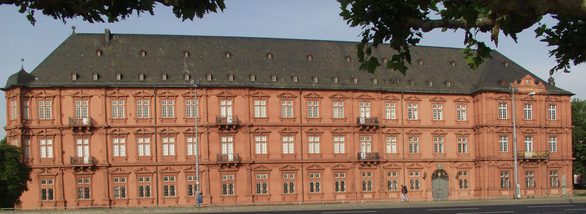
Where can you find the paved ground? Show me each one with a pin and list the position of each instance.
(331, 206)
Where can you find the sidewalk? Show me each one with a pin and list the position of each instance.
(324, 206)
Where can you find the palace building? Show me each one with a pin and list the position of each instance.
(109, 120)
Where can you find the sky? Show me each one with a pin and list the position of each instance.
(300, 19)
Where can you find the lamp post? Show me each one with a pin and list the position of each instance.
(198, 196)
(517, 190)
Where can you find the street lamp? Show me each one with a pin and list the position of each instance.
(517, 187)
(198, 196)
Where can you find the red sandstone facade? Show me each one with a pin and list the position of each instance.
(103, 160)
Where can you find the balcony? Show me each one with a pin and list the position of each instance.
(81, 161)
(80, 123)
(367, 123)
(228, 159)
(368, 158)
(532, 155)
(227, 123)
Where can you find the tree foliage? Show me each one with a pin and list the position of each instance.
(403, 22)
(113, 11)
(14, 175)
(579, 136)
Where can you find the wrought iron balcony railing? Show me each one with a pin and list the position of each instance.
(532, 155)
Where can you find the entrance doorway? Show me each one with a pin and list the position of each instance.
(440, 185)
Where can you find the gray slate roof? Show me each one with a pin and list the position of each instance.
(165, 54)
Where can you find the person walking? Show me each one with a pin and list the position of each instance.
(404, 194)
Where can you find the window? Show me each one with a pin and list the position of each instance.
(26, 110)
(314, 182)
(438, 145)
(462, 145)
(391, 145)
(366, 181)
(167, 109)
(27, 147)
(144, 146)
(288, 145)
(340, 182)
(142, 109)
(13, 110)
(168, 146)
(313, 109)
(227, 185)
(117, 109)
(553, 179)
(392, 181)
(141, 76)
(274, 78)
(191, 145)
(365, 145)
(364, 108)
(169, 186)
(260, 143)
(260, 108)
(209, 77)
(95, 76)
(390, 111)
(164, 76)
(503, 111)
(192, 186)
(528, 111)
(553, 144)
(552, 112)
(339, 145)
(505, 180)
(503, 143)
(81, 109)
(437, 112)
(414, 182)
(287, 109)
(119, 187)
(118, 76)
(225, 108)
(83, 149)
(46, 147)
(413, 145)
(315, 79)
(463, 180)
(47, 190)
(230, 77)
(288, 183)
(45, 110)
(119, 145)
(461, 112)
(191, 109)
(313, 144)
(412, 112)
(338, 109)
(529, 143)
(530, 179)
(262, 185)
(83, 189)
(144, 187)
(227, 146)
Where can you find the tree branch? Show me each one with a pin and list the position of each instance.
(428, 25)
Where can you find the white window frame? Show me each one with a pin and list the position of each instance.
(191, 109)
(339, 144)
(167, 108)
(413, 145)
(437, 112)
(260, 108)
(225, 108)
(143, 108)
(119, 147)
(81, 109)
(552, 112)
(528, 111)
(529, 143)
(461, 112)
(260, 143)
(438, 145)
(288, 144)
(502, 111)
(462, 145)
(118, 109)
(286, 108)
(168, 146)
(338, 109)
(504, 143)
(45, 110)
(412, 111)
(391, 145)
(313, 109)
(144, 146)
(553, 144)
(390, 111)
(46, 147)
(313, 144)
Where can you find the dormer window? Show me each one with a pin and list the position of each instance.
(429, 83)
(209, 77)
(527, 82)
(420, 61)
(186, 54)
(412, 83)
(270, 55)
(506, 63)
(118, 76)
(355, 80)
(252, 78)
(374, 81)
(453, 64)
(141, 76)
(448, 83)
(228, 55)
(348, 59)
(143, 53)
(186, 76)
(295, 79)
(163, 76)
(230, 77)
(274, 77)
(74, 76)
(315, 79)
(99, 52)
(95, 76)
(385, 60)
(335, 79)
(309, 57)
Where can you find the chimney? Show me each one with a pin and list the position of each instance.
(107, 36)
(551, 81)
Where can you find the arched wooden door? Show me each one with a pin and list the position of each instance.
(440, 185)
